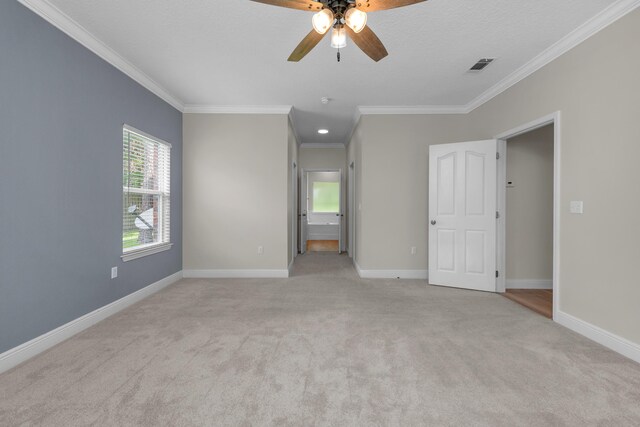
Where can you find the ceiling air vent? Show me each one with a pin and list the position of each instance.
(481, 64)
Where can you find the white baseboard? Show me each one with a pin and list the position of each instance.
(391, 274)
(529, 284)
(599, 335)
(26, 351)
(233, 274)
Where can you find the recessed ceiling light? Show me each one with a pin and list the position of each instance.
(323, 131)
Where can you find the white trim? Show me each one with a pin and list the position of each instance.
(529, 127)
(407, 110)
(322, 145)
(59, 19)
(26, 351)
(237, 109)
(64, 23)
(391, 274)
(605, 18)
(555, 119)
(612, 341)
(139, 253)
(501, 229)
(529, 284)
(232, 274)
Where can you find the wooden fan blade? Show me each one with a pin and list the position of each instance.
(375, 5)
(368, 42)
(308, 5)
(306, 45)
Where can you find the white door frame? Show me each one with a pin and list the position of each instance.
(501, 254)
(351, 210)
(302, 212)
(342, 202)
(294, 204)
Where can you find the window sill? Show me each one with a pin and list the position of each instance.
(146, 251)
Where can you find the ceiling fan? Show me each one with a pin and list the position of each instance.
(346, 17)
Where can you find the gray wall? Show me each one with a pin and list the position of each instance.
(61, 115)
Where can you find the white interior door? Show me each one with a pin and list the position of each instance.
(304, 204)
(462, 215)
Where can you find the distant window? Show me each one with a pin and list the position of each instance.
(146, 196)
(326, 197)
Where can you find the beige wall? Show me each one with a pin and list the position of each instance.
(392, 154)
(235, 192)
(323, 158)
(596, 87)
(529, 213)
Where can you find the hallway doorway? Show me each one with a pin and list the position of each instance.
(528, 199)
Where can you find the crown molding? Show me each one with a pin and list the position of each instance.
(322, 145)
(64, 23)
(238, 109)
(408, 110)
(596, 24)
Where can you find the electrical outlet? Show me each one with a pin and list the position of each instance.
(260, 250)
(114, 272)
(413, 250)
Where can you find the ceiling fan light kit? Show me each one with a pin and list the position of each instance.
(347, 17)
(355, 19)
(338, 37)
(322, 21)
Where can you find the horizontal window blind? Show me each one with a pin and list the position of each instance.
(146, 190)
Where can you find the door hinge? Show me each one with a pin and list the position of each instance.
(497, 274)
(497, 156)
(497, 215)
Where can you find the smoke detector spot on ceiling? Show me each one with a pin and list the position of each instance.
(324, 100)
(481, 64)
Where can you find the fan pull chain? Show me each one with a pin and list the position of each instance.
(338, 55)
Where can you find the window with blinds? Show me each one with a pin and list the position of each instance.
(146, 192)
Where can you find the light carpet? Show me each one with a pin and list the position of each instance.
(323, 348)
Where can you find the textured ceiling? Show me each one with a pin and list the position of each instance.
(234, 53)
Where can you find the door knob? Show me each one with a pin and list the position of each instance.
(433, 222)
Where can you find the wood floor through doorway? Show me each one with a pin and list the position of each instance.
(322, 246)
(538, 300)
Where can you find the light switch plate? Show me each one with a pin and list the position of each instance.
(114, 272)
(576, 207)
